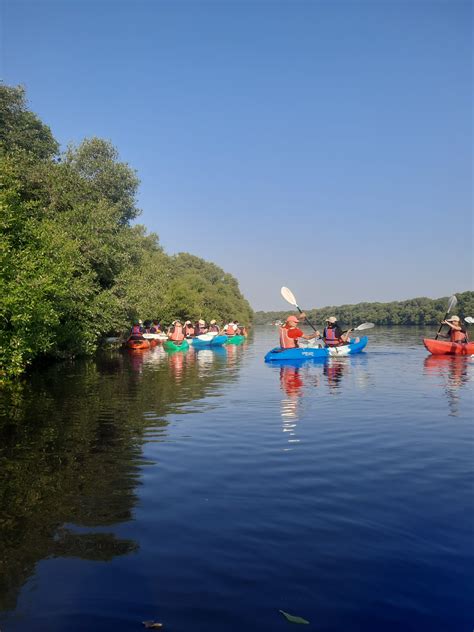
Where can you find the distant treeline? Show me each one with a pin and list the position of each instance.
(73, 268)
(415, 311)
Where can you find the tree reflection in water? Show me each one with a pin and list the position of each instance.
(71, 440)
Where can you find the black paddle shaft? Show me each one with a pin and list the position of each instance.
(309, 323)
(441, 326)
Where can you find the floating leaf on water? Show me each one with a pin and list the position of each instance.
(292, 618)
(152, 625)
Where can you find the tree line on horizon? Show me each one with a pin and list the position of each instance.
(415, 311)
(74, 267)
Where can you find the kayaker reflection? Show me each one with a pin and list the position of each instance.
(333, 335)
(453, 371)
(291, 383)
(456, 331)
(290, 333)
(334, 370)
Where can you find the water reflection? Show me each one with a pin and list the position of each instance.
(71, 440)
(452, 372)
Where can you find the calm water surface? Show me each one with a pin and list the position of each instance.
(209, 490)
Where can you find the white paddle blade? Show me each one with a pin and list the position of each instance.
(452, 302)
(469, 319)
(364, 326)
(288, 296)
(207, 337)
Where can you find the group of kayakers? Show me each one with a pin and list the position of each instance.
(180, 330)
(332, 334)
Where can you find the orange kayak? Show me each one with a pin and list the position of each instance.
(137, 343)
(444, 347)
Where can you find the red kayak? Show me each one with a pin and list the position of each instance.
(137, 343)
(441, 347)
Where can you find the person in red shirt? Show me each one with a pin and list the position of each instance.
(290, 332)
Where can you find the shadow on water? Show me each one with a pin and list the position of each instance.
(71, 441)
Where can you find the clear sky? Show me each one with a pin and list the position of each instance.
(322, 145)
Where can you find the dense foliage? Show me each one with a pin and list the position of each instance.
(73, 267)
(416, 311)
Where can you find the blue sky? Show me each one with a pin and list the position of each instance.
(323, 145)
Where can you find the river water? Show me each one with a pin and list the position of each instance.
(210, 490)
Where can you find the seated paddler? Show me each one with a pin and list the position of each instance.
(290, 333)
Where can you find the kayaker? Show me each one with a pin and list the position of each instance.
(230, 329)
(201, 327)
(136, 329)
(213, 327)
(456, 333)
(189, 330)
(333, 335)
(289, 333)
(156, 327)
(175, 332)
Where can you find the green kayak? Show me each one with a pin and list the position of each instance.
(235, 340)
(169, 345)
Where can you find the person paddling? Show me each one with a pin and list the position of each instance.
(333, 335)
(213, 327)
(175, 332)
(189, 330)
(456, 333)
(290, 332)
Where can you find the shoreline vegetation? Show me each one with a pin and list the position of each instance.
(415, 311)
(74, 267)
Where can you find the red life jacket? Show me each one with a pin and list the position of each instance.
(136, 330)
(229, 330)
(458, 336)
(330, 337)
(177, 333)
(189, 330)
(285, 341)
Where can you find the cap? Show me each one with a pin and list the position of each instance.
(331, 319)
(292, 319)
(188, 322)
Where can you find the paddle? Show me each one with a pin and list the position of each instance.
(470, 320)
(289, 296)
(360, 327)
(451, 303)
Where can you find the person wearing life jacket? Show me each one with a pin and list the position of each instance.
(290, 332)
(175, 332)
(230, 329)
(333, 335)
(136, 329)
(147, 327)
(155, 328)
(213, 327)
(201, 327)
(189, 330)
(456, 332)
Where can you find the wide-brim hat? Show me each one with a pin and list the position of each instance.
(331, 319)
(454, 319)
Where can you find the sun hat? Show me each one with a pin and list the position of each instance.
(456, 319)
(201, 321)
(331, 319)
(292, 319)
(213, 322)
(188, 322)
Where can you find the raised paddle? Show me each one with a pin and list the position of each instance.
(290, 297)
(451, 303)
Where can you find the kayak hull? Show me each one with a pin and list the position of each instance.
(444, 347)
(137, 344)
(169, 345)
(235, 340)
(309, 353)
(217, 341)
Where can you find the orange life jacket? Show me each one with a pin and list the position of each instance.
(177, 333)
(229, 330)
(285, 341)
(330, 337)
(458, 336)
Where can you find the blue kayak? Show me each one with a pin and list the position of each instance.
(217, 341)
(307, 353)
